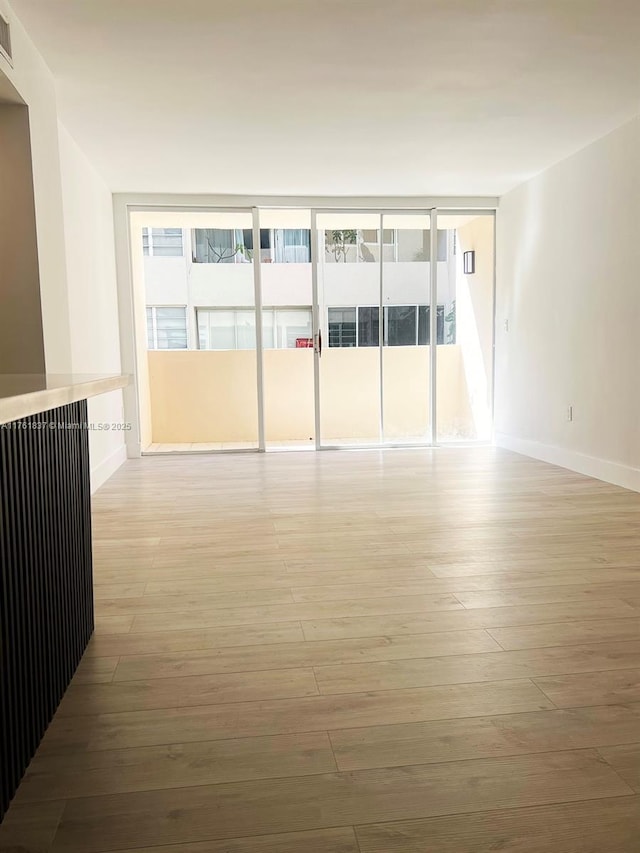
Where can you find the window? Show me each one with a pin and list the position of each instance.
(162, 242)
(293, 327)
(400, 325)
(166, 328)
(235, 329)
(235, 245)
(415, 245)
(222, 246)
(368, 326)
(358, 246)
(341, 246)
(371, 235)
(291, 245)
(222, 329)
(398, 244)
(404, 326)
(424, 327)
(342, 327)
(369, 248)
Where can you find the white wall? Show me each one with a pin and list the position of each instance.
(34, 82)
(166, 280)
(93, 303)
(171, 281)
(74, 224)
(567, 283)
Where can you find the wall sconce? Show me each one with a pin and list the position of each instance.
(469, 262)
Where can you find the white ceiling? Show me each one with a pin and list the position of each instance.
(336, 97)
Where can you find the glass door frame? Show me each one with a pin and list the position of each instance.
(255, 211)
(432, 213)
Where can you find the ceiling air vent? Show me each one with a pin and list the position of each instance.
(5, 38)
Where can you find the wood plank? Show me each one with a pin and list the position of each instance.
(96, 670)
(611, 825)
(491, 666)
(605, 573)
(113, 624)
(170, 603)
(190, 814)
(214, 583)
(593, 688)
(546, 595)
(301, 654)
(177, 765)
(321, 841)
(189, 619)
(183, 692)
(484, 737)
(288, 716)
(208, 638)
(354, 574)
(119, 590)
(29, 828)
(489, 617)
(625, 760)
(571, 633)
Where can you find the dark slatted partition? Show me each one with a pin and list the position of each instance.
(46, 600)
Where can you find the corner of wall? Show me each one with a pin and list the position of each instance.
(107, 466)
(567, 312)
(624, 476)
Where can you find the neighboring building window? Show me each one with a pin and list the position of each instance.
(371, 235)
(292, 328)
(369, 247)
(424, 325)
(341, 246)
(368, 326)
(293, 245)
(222, 246)
(342, 327)
(162, 242)
(404, 325)
(415, 245)
(235, 329)
(290, 245)
(221, 329)
(362, 245)
(166, 328)
(400, 325)
(234, 245)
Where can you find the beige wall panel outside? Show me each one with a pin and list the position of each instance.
(288, 396)
(208, 396)
(203, 396)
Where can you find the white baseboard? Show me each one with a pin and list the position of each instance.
(101, 473)
(591, 466)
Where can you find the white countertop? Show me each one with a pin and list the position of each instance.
(26, 394)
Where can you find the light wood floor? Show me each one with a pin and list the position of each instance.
(406, 651)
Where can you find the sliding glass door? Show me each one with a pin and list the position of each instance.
(294, 328)
(287, 321)
(195, 273)
(405, 311)
(373, 304)
(346, 267)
